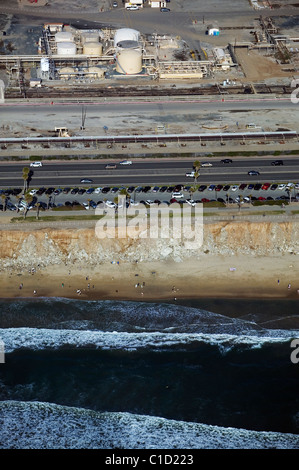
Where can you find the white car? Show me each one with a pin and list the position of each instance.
(33, 192)
(206, 164)
(85, 205)
(191, 202)
(177, 195)
(110, 204)
(281, 186)
(234, 188)
(125, 162)
(36, 164)
(290, 186)
(97, 190)
(297, 186)
(132, 7)
(191, 174)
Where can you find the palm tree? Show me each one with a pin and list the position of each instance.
(37, 210)
(28, 198)
(25, 178)
(3, 197)
(196, 166)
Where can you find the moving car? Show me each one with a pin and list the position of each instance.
(36, 164)
(226, 160)
(253, 173)
(115, 4)
(132, 7)
(190, 174)
(110, 166)
(206, 164)
(277, 162)
(86, 180)
(164, 10)
(125, 162)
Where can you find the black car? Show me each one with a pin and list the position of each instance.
(89, 190)
(50, 190)
(274, 186)
(138, 189)
(277, 162)
(131, 189)
(163, 189)
(66, 190)
(202, 187)
(257, 187)
(146, 189)
(170, 189)
(226, 187)
(40, 191)
(74, 191)
(81, 191)
(226, 160)
(68, 203)
(114, 190)
(16, 191)
(106, 190)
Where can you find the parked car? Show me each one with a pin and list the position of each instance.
(177, 195)
(242, 186)
(132, 7)
(234, 187)
(90, 190)
(115, 4)
(211, 187)
(218, 187)
(97, 190)
(281, 186)
(164, 10)
(226, 187)
(274, 186)
(202, 187)
(266, 186)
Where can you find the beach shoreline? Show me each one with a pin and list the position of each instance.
(211, 277)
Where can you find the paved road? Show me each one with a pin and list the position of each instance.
(150, 172)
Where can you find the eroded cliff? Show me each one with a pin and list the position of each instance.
(48, 246)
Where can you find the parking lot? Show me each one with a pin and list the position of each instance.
(70, 198)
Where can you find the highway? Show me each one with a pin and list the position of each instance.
(156, 171)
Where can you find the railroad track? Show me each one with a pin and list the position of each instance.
(78, 92)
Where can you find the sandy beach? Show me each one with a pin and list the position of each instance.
(212, 277)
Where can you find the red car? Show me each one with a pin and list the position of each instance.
(218, 187)
(205, 200)
(261, 198)
(266, 186)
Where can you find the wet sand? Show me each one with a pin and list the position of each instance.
(210, 277)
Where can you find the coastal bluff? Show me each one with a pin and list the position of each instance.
(46, 247)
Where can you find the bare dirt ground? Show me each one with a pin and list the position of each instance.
(257, 67)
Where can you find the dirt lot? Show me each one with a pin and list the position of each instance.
(257, 67)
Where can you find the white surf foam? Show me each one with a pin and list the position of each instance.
(38, 339)
(36, 425)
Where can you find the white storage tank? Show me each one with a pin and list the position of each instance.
(64, 36)
(89, 36)
(128, 61)
(65, 72)
(66, 48)
(44, 64)
(93, 48)
(97, 72)
(125, 34)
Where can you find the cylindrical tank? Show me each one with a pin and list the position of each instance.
(44, 64)
(93, 48)
(66, 48)
(64, 36)
(89, 36)
(128, 61)
(64, 72)
(97, 72)
(125, 34)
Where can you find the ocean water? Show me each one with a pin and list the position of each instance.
(135, 375)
